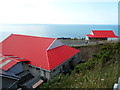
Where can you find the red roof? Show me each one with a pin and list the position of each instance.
(34, 49)
(6, 63)
(102, 33)
(60, 54)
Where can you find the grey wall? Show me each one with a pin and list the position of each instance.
(57, 70)
(7, 82)
(0, 83)
(34, 71)
(40, 72)
(25, 66)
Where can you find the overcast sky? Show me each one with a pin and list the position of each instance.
(58, 11)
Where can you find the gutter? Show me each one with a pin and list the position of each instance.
(11, 85)
(16, 78)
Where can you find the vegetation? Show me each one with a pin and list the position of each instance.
(100, 71)
(77, 47)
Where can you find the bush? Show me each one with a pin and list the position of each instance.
(85, 66)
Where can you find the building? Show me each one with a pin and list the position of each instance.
(11, 64)
(8, 80)
(8, 68)
(13, 75)
(46, 56)
(100, 35)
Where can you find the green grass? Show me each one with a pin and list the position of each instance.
(100, 71)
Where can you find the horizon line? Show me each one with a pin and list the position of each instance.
(57, 24)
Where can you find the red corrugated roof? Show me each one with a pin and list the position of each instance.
(34, 49)
(7, 65)
(60, 54)
(102, 33)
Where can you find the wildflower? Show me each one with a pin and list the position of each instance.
(81, 83)
(102, 79)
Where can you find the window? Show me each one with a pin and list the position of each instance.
(54, 70)
(4, 63)
(60, 69)
(44, 73)
(2, 58)
(37, 69)
(73, 58)
(30, 66)
(63, 67)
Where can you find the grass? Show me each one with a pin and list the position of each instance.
(83, 46)
(100, 71)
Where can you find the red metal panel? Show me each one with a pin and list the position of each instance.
(34, 49)
(60, 54)
(3, 60)
(89, 35)
(8, 65)
(31, 48)
(104, 34)
(0, 55)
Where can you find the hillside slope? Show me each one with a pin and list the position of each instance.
(99, 71)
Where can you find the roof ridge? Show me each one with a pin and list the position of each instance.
(52, 61)
(102, 30)
(33, 36)
(6, 38)
(51, 44)
(56, 47)
(47, 55)
(12, 59)
(48, 60)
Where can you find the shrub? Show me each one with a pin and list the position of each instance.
(83, 66)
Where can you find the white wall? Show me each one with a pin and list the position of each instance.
(91, 33)
(86, 38)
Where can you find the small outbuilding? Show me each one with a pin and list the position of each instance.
(100, 35)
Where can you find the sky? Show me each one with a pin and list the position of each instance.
(24, 12)
(58, 11)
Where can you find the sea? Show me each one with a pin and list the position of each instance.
(53, 30)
